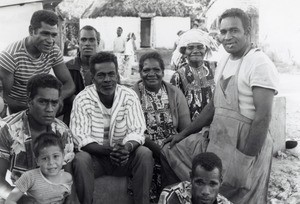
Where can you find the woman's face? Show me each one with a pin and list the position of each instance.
(195, 52)
(152, 74)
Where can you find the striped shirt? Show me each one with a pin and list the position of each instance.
(16, 60)
(127, 118)
(43, 190)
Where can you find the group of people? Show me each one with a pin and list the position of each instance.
(202, 138)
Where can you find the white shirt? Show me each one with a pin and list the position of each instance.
(256, 70)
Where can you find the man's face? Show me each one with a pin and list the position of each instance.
(105, 78)
(205, 185)
(233, 36)
(44, 37)
(87, 42)
(119, 32)
(152, 74)
(50, 160)
(195, 52)
(44, 106)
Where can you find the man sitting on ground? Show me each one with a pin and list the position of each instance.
(18, 131)
(108, 126)
(206, 180)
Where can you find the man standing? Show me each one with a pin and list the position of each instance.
(240, 112)
(206, 180)
(119, 48)
(19, 130)
(35, 54)
(108, 126)
(79, 66)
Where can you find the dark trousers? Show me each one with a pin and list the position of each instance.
(86, 168)
(167, 174)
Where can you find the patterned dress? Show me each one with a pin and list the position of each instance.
(160, 126)
(196, 84)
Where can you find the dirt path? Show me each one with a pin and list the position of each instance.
(284, 186)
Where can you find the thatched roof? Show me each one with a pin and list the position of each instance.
(98, 8)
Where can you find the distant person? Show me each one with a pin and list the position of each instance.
(130, 48)
(70, 45)
(108, 126)
(18, 131)
(119, 48)
(203, 188)
(179, 33)
(176, 55)
(79, 66)
(101, 43)
(35, 54)
(49, 183)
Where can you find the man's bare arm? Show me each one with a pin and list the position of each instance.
(263, 101)
(7, 79)
(63, 75)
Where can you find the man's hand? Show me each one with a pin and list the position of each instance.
(173, 140)
(119, 155)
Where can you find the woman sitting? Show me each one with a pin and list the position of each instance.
(165, 110)
(196, 78)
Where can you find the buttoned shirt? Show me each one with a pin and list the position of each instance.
(16, 142)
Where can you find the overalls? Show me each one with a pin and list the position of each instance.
(245, 178)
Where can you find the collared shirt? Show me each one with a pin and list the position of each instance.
(127, 119)
(16, 60)
(181, 192)
(16, 142)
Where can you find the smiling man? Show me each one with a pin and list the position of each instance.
(35, 54)
(19, 130)
(239, 116)
(206, 180)
(108, 126)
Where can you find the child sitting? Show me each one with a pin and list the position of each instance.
(48, 183)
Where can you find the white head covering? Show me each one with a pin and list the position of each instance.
(196, 36)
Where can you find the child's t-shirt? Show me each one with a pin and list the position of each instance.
(44, 191)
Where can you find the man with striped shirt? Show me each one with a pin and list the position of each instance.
(108, 125)
(33, 55)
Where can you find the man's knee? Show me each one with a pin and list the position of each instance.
(144, 153)
(82, 159)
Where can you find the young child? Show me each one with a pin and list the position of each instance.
(48, 183)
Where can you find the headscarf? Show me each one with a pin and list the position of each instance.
(197, 36)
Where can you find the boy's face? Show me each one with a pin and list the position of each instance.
(205, 185)
(50, 160)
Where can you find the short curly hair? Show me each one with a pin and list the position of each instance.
(47, 139)
(239, 13)
(151, 55)
(42, 81)
(102, 57)
(207, 160)
(46, 16)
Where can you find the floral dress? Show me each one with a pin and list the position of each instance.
(160, 126)
(196, 84)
